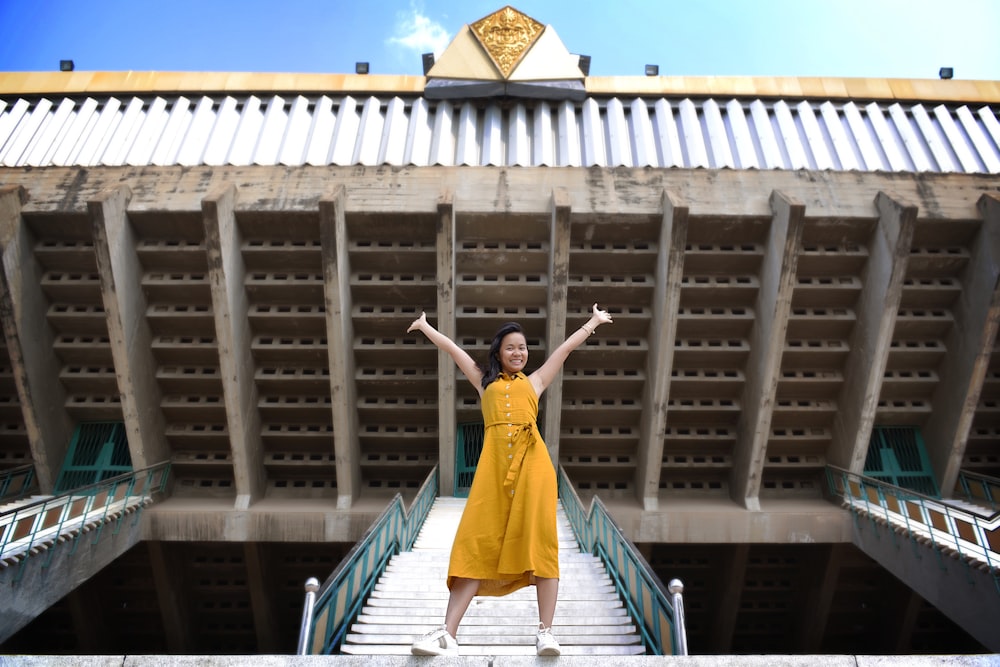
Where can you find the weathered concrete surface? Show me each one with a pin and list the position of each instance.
(963, 592)
(415, 191)
(26, 593)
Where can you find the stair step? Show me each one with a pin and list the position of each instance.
(594, 623)
(610, 606)
(411, 596)
(491, 650)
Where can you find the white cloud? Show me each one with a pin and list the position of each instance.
(417, 33)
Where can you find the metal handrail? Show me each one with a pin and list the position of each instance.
(661, 622)
(25, 526)
(338, 602)
(9, 479)
(971, 535)
(979, 488)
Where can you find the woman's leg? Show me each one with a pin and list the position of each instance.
(547, 591)
(462, 592)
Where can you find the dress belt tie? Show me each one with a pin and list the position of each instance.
(523, 436)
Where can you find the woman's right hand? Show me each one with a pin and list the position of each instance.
(417, 323)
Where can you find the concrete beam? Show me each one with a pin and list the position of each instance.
(767, 343)
(969, 345)
(871, 338)
(620, 192)
(446, 324)
(30, 343)
(131, 339)
(340, 348)
(660, 362)
(555, 322)
(227, 276)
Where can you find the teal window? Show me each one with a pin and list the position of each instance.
(896, 455)
(98, 451)
(469, 443)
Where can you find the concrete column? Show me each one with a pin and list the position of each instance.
(446, 324)
(767, 343)
(89, 623)
(30, 343)
(660, 362)
(818, 597)
(226, 275)
(340, 344)
(970, 345)
(259, 578)
(727, 604)
(171, 594)
(904, 612)
(131, 339)
(871, 338)
(555, 320)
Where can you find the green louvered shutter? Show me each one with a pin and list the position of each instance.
(469, 443)
(896, 455)
(99, 450)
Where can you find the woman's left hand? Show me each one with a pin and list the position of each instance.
(602, 316)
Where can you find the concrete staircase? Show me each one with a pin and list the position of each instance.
(410, 598)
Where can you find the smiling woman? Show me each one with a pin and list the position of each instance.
(507, 537)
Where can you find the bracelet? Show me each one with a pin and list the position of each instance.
(590, 332)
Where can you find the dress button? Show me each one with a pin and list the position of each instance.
(510, 444)
(512, 493)
(510, 456)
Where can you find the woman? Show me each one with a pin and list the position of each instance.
(507, 536)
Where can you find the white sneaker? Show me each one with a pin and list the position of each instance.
(545, 643)
(436, 642)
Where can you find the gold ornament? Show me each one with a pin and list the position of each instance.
(507, 34)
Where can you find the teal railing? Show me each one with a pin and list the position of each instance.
(16, 483)
(338, 601)
(97, 505)
(946, 527)
(979, 489)
(647, 601)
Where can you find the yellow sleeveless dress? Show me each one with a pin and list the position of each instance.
(507, 535)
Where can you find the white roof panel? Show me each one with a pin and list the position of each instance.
(738, 133)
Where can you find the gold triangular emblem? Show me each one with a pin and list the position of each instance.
(507, 34)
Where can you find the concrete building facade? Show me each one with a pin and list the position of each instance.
(227, 265)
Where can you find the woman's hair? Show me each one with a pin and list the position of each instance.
(491, 369)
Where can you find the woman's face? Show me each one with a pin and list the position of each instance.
(513, 353)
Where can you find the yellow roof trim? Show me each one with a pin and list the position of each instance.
(161, 83)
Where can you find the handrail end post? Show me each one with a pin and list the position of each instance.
(305, 630)
(676, 589)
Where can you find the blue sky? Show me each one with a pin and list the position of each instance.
(866, 38)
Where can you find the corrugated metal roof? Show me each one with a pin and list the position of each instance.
(628, 132)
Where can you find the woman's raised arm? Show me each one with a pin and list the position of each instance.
(543, 377)
(465, 363)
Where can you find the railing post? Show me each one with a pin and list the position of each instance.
(676, 588)
(312, 585)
